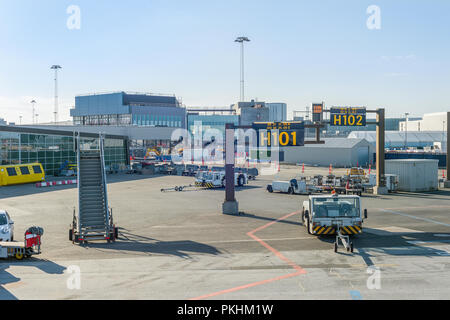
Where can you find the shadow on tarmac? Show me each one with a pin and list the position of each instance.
(131, 242)
(30, 189)
(6, 278)
(252, 216)
(393, 244)
(426, 195)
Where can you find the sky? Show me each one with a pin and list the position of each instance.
(300, 52)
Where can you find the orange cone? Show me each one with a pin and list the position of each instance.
(331, 169)
(303, 168)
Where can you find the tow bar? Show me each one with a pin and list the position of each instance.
(178, 188)
(345, 240)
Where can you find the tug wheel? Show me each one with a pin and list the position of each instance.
(19, 256)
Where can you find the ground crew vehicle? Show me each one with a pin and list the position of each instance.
(216, 179)
(292, 187)
(334, 215)
(6, 227)
(21, 174)
(67, 169)
(357, 172)
(19, 250)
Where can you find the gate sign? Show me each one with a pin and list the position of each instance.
(348, 117)
(280, 134)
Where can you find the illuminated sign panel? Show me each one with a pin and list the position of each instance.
(317, 112)
(280, 134)
(348, 117)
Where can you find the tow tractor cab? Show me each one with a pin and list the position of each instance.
(324, 215)
(216, 179)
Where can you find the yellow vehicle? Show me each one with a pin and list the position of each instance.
(152, 152)
(21, 174)
(357, 172)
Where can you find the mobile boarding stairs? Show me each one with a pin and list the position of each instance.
(94, 219)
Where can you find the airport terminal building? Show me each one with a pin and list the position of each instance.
(52, 148)
(128, 109)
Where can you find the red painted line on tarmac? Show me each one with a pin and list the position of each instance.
(299, 270)
(254, 284)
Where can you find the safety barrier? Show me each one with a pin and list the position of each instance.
(55, 183)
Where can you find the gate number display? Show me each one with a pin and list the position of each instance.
(280, 134)
(348, 117)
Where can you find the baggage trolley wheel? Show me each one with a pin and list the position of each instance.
(335, 247)
(351, 247)
(116, 233)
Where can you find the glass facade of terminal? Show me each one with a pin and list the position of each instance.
(52, 151)
(211, 122)
(128, 109)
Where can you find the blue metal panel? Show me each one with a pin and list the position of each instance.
(99, 104)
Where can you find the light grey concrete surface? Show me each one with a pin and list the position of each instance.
(180, 246)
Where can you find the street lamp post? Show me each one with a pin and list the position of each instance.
(241, 40)
(56, 67)
(406, 130)
(33, 110)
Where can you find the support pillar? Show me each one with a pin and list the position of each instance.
(230, 205)
(447, 182)
(381, 185)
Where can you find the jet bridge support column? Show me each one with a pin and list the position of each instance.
(230, 205)
(447, 183)
(381, 184)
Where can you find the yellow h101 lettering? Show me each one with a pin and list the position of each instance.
(264, 137)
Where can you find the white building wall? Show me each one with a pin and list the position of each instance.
(430, 122)
(415, 175)
(317, 156)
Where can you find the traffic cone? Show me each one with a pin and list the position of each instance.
(279, 167)
(443, 174)
(370, 169)
(331, 169)
(303, 168)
